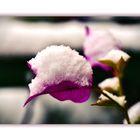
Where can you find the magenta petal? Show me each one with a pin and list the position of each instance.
(97, 44)
(32, 97)
(87, 30)
(103, 66)
(76, 95)
(65, 90)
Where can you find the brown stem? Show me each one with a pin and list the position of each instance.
(127, 116)
(123, 109)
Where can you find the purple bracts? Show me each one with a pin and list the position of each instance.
(62, 73)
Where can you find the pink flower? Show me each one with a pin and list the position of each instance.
(97, 44)
(62, 73)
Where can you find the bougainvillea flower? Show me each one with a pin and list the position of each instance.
(62, 73)
(97, 44)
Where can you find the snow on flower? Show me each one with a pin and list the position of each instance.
(62, 73)
(97, 44)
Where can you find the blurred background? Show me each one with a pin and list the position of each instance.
(22, 37)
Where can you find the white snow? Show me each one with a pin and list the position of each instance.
(56, 64)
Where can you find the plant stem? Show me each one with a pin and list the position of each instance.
(123, 109)
(120, 76)
(120, 83)
(127, 116)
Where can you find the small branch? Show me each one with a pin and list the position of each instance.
(123, 109)
(121, 89)
(127, 116)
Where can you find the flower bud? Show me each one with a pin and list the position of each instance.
(115, 58)
(110, 85)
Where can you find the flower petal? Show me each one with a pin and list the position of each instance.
(73, 92)
(97, 44)
(110, 84)
(62, 73)
(114, 57)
